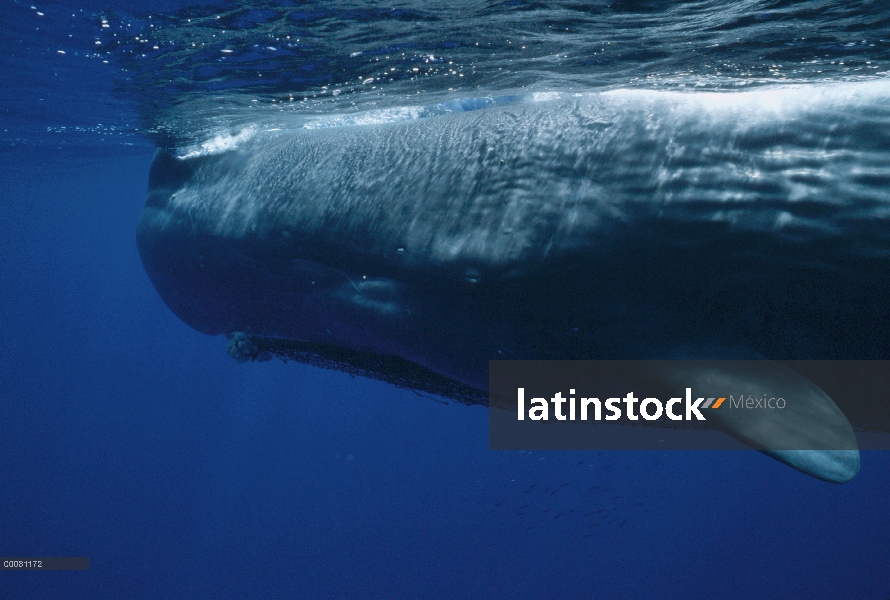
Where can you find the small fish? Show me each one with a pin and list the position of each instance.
(622, 523)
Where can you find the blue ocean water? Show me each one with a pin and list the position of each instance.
(129, 438)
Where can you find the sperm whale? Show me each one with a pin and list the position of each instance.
(618, 224)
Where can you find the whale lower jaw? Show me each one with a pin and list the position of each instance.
(816, 423)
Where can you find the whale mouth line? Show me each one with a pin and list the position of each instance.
(391, 369)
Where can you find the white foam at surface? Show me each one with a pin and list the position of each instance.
(220, 143)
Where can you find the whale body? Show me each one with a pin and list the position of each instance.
(619, 224)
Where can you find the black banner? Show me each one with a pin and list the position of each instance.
(689, 404)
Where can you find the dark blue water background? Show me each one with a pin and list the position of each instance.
(129, 438)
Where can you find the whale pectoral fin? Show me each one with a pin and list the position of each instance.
(835, 466)
(809, 432)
